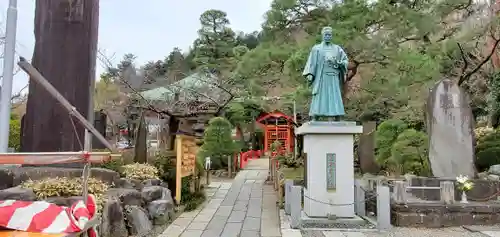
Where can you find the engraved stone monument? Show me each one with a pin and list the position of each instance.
(450, 128)
(329, 185)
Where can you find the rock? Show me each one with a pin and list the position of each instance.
(450, 125)
(124, 183)
(18, 193)
(137, 184)
(127, 196)
(493, 177)
(494, 169)
(64, 201)
(106, 175)
(154, 182)
(483, 175)
(113, 223)
(6, 178)
(167, 195)
(138, 221)
(160, 211)
(152, 193)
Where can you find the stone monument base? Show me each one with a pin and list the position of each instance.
(329, 168)
(355, 222)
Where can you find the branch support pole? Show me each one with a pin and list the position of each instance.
(37, 77)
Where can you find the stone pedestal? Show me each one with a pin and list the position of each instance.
(329, 168)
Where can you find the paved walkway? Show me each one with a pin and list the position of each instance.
(244, 208)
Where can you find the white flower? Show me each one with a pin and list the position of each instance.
(462, 179)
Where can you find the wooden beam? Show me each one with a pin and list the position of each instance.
(46, 158)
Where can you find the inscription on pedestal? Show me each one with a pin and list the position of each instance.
(330, 171)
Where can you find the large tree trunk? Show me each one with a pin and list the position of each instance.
(65, 53)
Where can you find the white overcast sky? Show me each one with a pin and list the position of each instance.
(147, 28)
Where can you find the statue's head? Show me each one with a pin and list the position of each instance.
(327, 32)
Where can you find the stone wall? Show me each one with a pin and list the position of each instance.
(435, 215)
(483, 190)
(131, 207)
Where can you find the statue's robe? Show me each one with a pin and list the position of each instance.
(327, 63)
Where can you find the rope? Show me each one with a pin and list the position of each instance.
(483, 199)
(74, 128)
(86, 167)
(86, 157)
(340, 205)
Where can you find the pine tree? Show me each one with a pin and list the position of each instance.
(217, 142)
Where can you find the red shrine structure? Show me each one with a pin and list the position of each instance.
(277, 127)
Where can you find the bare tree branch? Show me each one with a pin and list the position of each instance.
(465, 76)
(18, 94)
(210, 86)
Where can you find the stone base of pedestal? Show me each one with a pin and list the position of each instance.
(329, 166)
(355, 222)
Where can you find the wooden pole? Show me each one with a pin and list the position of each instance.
(178, 169)
(229, 168)
(208, 176)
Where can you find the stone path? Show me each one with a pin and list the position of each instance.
(244, 208)
(491, 233)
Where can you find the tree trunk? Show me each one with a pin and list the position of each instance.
(141, 149)
(65, 53)
(100, 122)
(173, 126)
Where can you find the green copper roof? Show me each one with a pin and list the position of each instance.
(194, 85)
(156, 94)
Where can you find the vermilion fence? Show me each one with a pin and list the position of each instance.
(252, 154)
(248, 155)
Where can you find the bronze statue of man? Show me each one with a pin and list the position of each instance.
(326, 71)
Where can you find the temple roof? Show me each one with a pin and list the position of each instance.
(194, 87)
(273, 117)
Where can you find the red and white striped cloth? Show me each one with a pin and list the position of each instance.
(44, 217)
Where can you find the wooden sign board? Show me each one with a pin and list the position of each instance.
(186, 150)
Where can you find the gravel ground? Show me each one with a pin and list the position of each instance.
(409, 232)
(419, 232)
(312, 233)
(365, 225)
